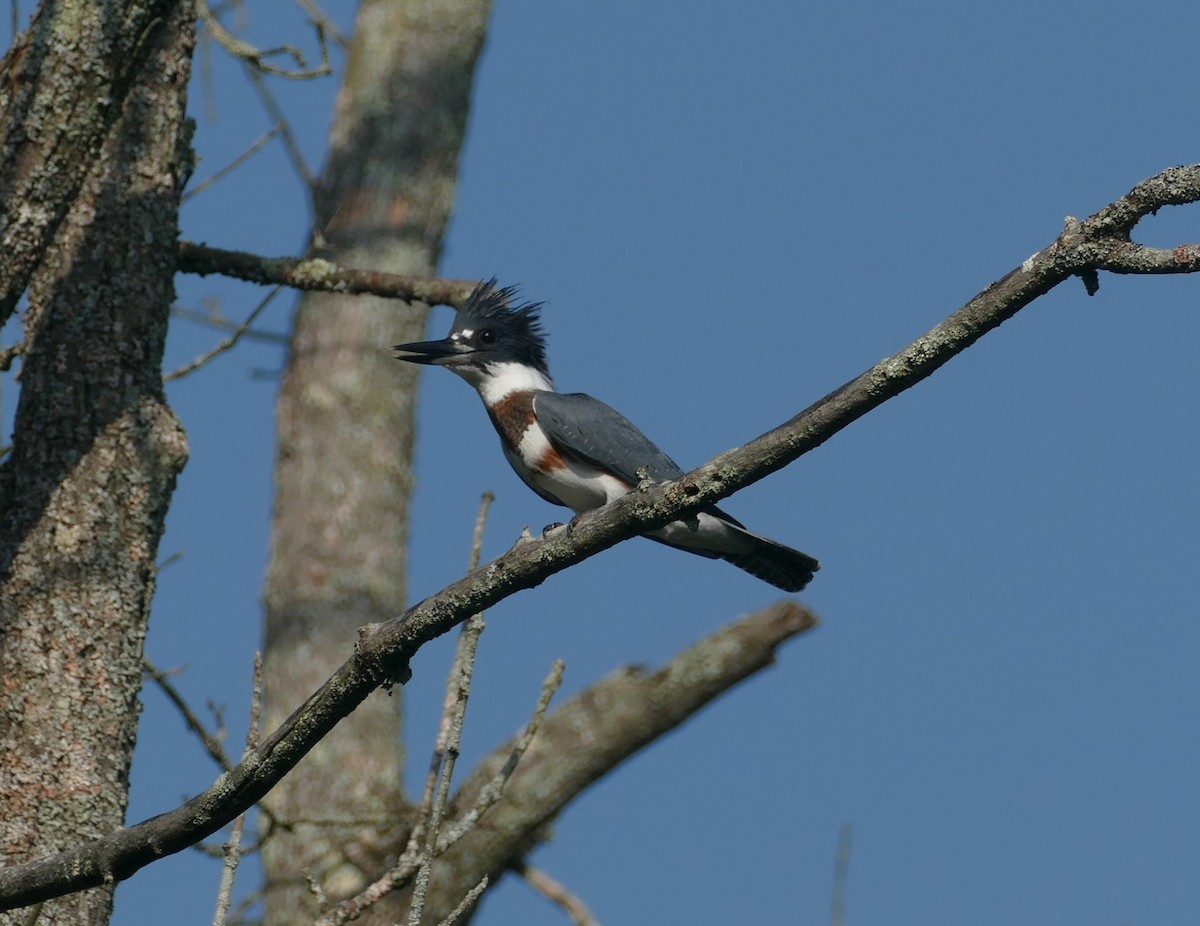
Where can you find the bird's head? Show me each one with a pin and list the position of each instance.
(489, 331)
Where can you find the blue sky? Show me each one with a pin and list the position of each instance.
(730, 213)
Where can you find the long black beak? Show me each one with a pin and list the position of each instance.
(440, 353)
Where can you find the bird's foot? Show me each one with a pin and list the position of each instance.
(554, 530)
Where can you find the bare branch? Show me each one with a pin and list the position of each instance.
(841, 870)
(259, 58)
(449, 738)
(466, 903)
(437, 809)
(321, 18)
(226, 345)
(233, 848)
(423, 844)
(315, 273)
(1175, 186)
(460, 671)
(286, 135)
(215, 319)
(210, 742)
(407, 866)
(1100, 243)
(493, 789)
(599, 728)
(261, 142)
(556, 892)
(384, 650)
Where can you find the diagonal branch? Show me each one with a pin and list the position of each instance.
(594, 732)
(384, 650)
(1175, 186)
(227, 344)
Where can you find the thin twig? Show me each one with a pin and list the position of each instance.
(490, 793)
(321, 18)
(556, 892)
(290, 144)
(449, 738)
(464, 661)
(261, 142)
(466, 903)
(841, 870)
(215, 320)
(259, 58)
(244, 905)
(170, 560)
(409, 862)
(206, 80)
(228, 344)
(233, 848)
(210, 741)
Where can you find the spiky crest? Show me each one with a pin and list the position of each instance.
(519, 326)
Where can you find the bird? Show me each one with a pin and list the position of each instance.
(572, 449)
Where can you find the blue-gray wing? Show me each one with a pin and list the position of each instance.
(588, 429)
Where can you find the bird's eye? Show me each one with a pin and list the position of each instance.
(486, 336)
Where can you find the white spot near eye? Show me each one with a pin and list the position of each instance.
(467, 333)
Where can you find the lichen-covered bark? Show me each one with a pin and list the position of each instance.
(61, 88)
(589, 736)
(96, 450)
(345, 419)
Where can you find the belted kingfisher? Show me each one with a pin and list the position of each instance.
(573, 450)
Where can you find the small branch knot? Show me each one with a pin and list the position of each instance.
(1188, 255)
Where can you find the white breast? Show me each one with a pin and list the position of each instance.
(577, 485)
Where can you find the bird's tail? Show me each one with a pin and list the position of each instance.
(718, 535)
(781, 566)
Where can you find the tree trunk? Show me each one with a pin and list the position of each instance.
(96, 450)
(345, 420)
